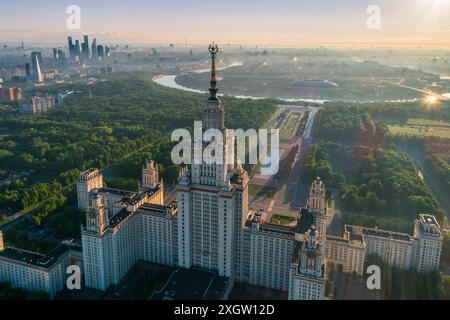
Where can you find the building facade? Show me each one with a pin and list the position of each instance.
(346, 253)
(428, 237)
(123, 227)
(268, 250)
(37, 272)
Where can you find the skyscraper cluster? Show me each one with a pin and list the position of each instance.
(82, 52)
(58, 54)
(36, 64)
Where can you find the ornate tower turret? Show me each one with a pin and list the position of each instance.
(97, 215)
(311, 255)
(307, 274)
(150, 175)
(89, 181)
(317, 204)
(317, 195)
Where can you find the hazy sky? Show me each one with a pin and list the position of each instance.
(275, 22)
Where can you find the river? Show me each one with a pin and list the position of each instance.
(170, 82)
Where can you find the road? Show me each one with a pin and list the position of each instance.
(290, 196)
(298, 197)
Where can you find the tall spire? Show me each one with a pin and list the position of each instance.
(213, 114)
(213, 50)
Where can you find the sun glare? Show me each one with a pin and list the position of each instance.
(431, 100)
(435, 4)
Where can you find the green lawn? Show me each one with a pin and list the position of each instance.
(283, 220)
(427, 122)
(261, 191)
(291, 123)
(420, 131)
(421, 127)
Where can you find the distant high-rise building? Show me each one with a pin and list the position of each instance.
(77, 48)
(36, 63)
(107, 51)
(55, 54)
(94, 48)
(85, 48)
(61, 55)
(100, 52)
(71, 47)
(27, 69)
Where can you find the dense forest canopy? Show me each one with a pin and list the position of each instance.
(97, 126)
(382, 187)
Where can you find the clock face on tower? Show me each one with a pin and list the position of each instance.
(92, 214)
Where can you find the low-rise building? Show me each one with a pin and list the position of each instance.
(50, 74)
(38, 104)
(38, 272)
(11, 94)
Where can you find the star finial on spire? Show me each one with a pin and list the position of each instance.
(213, 50)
